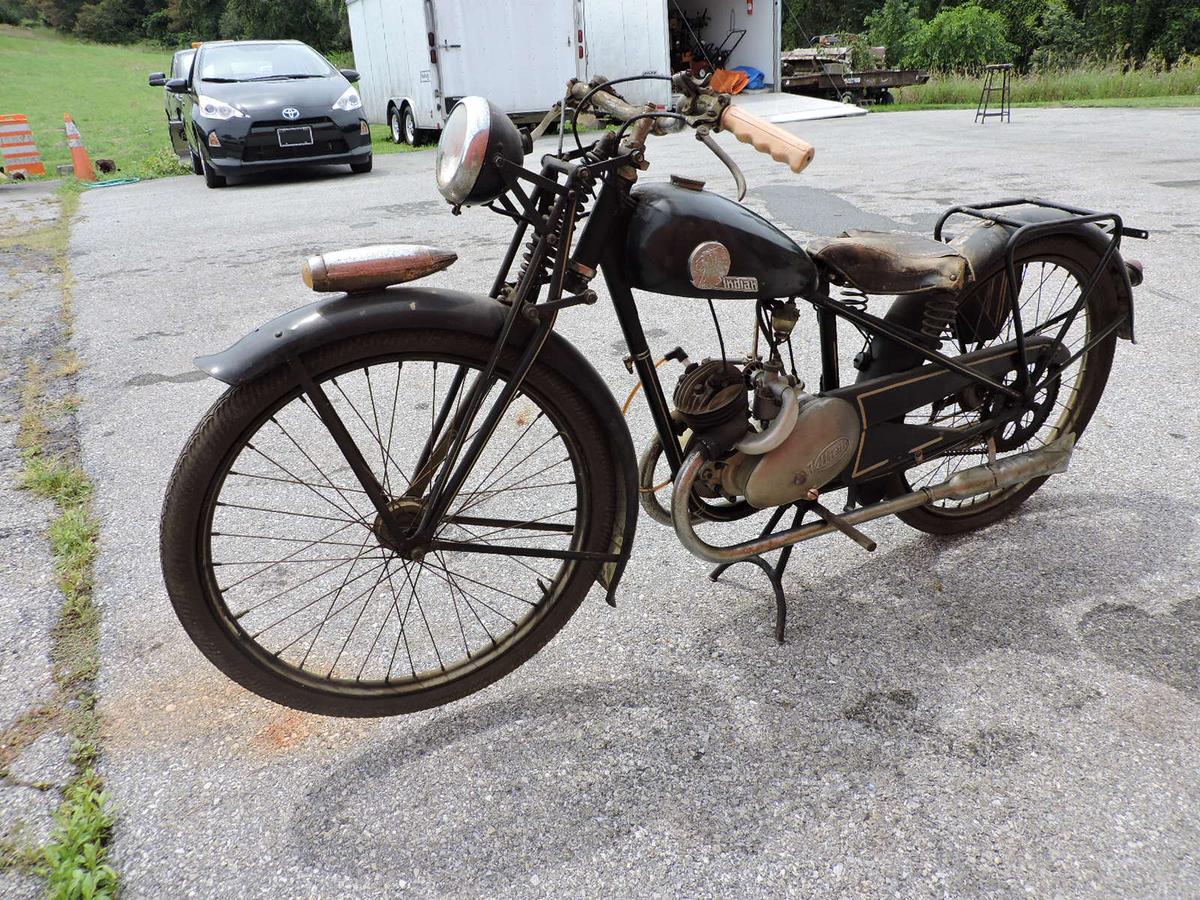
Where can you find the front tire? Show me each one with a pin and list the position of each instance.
(260, 476)
(211, 178)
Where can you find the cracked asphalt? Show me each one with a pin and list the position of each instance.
(1009, 712)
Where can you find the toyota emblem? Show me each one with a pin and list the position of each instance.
(291, 113)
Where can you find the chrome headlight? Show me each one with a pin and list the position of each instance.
(348, 101)
(211, 108)
(475, 135)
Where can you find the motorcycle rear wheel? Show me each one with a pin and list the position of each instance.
(273, 557)
(1055, 271)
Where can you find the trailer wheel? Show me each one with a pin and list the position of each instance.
(394, 126)
(403, 125)
(887, 98)
(848, 97)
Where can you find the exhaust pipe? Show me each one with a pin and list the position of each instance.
(1021, 467)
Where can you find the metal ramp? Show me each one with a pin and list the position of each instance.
(779, 107)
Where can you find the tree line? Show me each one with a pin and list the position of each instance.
(176, 23)
(948, 35)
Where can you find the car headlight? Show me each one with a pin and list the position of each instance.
(217, 109)
(475, 134)
(349, 100)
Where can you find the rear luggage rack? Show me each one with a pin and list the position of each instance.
(1074, 217)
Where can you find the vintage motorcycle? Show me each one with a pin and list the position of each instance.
(407, 491)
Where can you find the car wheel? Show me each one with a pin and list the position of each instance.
(211, 178)
(197, 166)
(362, 168)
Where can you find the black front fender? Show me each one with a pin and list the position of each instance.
(344, 316)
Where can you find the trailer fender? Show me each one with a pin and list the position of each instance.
(389, 309)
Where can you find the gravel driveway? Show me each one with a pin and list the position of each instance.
(1012, 711)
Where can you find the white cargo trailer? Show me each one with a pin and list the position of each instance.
(418, 57)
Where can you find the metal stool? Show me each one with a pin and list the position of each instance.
(983, 112)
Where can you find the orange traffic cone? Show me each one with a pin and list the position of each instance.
(79, 156)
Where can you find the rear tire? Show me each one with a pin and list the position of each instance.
(1083, 390)
(362, 168)
(201, 529)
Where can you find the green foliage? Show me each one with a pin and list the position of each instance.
(17, 12)
(76, 865)
(160, 164)
(1094, 83)
(317, 22)
(109, 21)
(1061, 38)
(960, 39)
(892, 26)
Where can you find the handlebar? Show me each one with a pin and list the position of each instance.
(702, 107)
(782, 146)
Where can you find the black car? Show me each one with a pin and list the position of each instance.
(253, 106)
(181, 65)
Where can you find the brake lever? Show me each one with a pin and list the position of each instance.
(705, 137)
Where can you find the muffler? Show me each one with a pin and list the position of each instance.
(1021, 467)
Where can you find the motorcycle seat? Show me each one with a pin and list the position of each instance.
(880, 262)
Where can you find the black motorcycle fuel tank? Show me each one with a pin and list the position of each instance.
(675, 240)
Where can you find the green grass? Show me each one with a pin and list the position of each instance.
(44, 74)
(1105, 84)
(120, 117)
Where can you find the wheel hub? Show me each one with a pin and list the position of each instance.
(406, 511)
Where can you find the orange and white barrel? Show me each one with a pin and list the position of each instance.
(17, 148)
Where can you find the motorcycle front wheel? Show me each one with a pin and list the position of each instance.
(282, 576)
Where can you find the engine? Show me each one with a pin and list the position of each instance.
(806, 440)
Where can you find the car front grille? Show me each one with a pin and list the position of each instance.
(262, 145)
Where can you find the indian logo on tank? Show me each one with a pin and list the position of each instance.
(708, 266)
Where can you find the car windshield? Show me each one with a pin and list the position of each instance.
(261, 62)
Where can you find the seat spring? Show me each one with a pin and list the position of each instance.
(939, 312)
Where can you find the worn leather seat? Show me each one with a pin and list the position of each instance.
(880, 262)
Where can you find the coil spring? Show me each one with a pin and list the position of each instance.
(854, 298)
(553, 251)
(939, 312)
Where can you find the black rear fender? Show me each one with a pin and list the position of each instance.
(984, 249)
(343, 316)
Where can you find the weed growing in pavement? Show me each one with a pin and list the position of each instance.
(75, 862)
(75, 857)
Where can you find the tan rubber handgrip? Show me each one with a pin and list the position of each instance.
(782, 146)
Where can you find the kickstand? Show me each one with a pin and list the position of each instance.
(775, 572)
